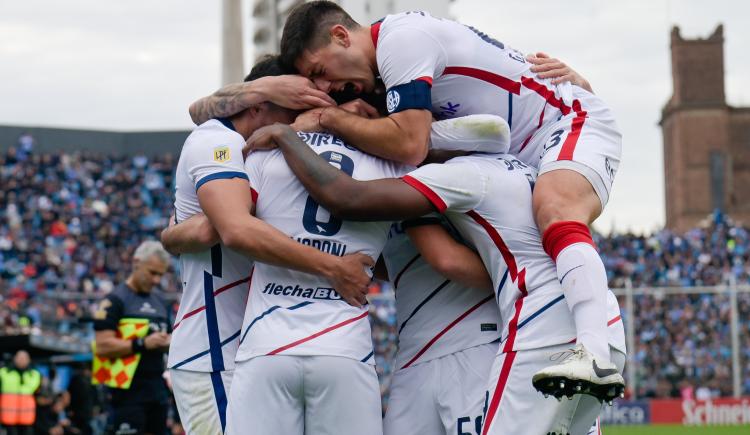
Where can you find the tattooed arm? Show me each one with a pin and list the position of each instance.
(344, 197)
(290, 91)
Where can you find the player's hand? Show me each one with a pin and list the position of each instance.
(264, 138)
(308, 121)
(361, 108)
(349, 279)
(156, 340)
(295, 92)
(548, 67)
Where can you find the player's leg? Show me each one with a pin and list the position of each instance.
(512, 406)
(522, 409)
(199, 400)
(342, 396)
(576, 173)
(267, 397)
(564, 204)
(463, 382)
(579, 415)
(412, 407)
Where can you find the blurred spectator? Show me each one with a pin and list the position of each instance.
(25, 145)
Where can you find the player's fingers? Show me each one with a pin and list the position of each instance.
(542, 54)
(537, 58)
(353, 301)
(313, 102)
(546, 66)
(259, 141)
(558, 72)
(366, 260)
(319, 98)
(369, 110)
(246, 150)
(562, 79)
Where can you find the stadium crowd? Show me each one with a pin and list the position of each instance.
(70, 223)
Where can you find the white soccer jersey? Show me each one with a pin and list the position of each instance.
(214, 282)
(436, 316)
(455, 70)
(489, 202)
(294, 313)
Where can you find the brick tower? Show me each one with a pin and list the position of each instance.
(706, 142)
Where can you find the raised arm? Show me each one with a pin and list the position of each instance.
(402, 137)
(290, 91)
(448, 257)
(244, 233)
(341, 195)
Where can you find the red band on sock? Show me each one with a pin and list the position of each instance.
(560, 235)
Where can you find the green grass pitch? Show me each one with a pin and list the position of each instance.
(676, 430)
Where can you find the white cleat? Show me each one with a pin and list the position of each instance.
(581, 373)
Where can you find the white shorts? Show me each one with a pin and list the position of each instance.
(304, 395)
(441, 396)
(591, 146)
(201, 400)
(513, 406)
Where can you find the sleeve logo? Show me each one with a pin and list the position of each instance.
(391, 100)
(101, 311)
(222, 154)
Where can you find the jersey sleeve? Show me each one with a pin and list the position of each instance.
(108, 313)
(220, 159)
(455, 186)
(477, 133)
(393, 169)
(408, 61)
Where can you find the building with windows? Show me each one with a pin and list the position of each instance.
(706, 141)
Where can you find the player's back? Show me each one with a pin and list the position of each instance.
(472, 73)
(489, 202)
(295, 313)
(436, 316)
(214, 281)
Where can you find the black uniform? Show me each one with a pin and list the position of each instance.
(143, 407)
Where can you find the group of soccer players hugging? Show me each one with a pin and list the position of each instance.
(468, 180)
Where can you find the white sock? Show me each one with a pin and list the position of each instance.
(584, 282)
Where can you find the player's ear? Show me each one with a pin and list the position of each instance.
(340, 35)
(255, 110)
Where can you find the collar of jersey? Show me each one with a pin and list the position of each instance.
(227, 123)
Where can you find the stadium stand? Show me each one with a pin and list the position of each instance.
(69, 222)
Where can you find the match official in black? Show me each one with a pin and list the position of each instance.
(133, 329)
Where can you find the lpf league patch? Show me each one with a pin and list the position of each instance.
(222, 154)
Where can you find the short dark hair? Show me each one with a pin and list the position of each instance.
(268, 65)
(307, 27)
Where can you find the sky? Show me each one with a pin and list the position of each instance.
(138, 64)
